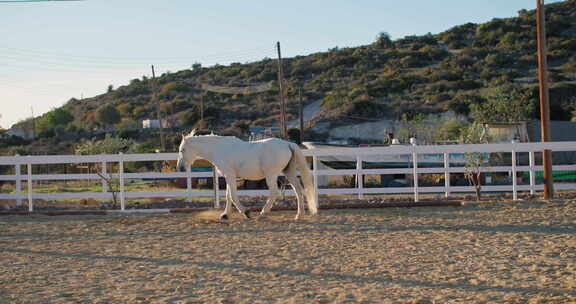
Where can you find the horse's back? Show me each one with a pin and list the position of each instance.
(274, 149)
(258, 159)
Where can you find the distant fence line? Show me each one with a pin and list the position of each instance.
(360, 154)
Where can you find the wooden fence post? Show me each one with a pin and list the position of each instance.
(315, 176)
(18, 182)
(446, 174)
(514, 176)
(189, 183)
(532, 172)
(415, 168)
(121, 177)
(30, 200)
(359, 177)
(104, 181)
(216, 184)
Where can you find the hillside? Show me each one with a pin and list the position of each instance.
(386, 79)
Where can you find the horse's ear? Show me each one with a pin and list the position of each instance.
(193, 132)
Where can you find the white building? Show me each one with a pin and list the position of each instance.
(151, 124)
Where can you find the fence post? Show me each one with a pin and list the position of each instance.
(189, 183)
(359, 177)
(30, 200)
(216, 184)
(18, 182)
(104, 173)
(514, 181)
(532, 173)
(315, 176)
(446, 174)
(121, 177)
(415, 168)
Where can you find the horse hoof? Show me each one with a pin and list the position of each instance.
(224, 217)
(247, 213)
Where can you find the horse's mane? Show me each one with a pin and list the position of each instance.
(209, 137)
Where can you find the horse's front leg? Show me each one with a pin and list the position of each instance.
(231, 186)
(224, 215)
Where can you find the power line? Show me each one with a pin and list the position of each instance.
(139, 61)
(32, 1)
(16, 60)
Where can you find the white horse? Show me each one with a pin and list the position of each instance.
(267, 158)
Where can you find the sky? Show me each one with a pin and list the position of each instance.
(51, 52)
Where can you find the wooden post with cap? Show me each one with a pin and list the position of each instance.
(158, 114)
(544, 101)
(282, 94)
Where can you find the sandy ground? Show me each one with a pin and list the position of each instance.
(481, 253)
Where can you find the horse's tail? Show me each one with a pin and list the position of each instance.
(309, 190)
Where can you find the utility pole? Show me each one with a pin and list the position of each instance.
(33, 122)
(301, 114)
(544, 102)
(159, 117)
(202, 111)
(282, 96)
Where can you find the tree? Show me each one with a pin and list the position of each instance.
(413, 125)
(383, 40)
(190, 117)
(128, 124)
(108, 145)
(58, 117)
(475, 161)
(125, 109)
(49, 121)
(170, 89)
(503, 104)
(451, 129)
(107, 115)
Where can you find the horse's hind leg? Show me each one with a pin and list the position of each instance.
(272, 182)
(298, 188)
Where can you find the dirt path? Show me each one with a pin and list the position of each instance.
(494, 252)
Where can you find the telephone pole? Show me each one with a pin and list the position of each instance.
(202, 111)
(159, 117)
(301, 114)
(32, 122)
(282, 96)
(544, 101)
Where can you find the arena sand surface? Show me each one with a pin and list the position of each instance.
(502, 252)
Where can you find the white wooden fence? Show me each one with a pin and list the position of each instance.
(413, 153)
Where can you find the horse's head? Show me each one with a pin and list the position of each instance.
(186, 153)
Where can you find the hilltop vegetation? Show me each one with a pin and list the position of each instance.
(453, 70)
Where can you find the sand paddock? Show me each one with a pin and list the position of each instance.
(491, 252)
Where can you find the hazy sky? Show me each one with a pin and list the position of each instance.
(51, 52)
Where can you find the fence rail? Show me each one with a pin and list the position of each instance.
(413, 155)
